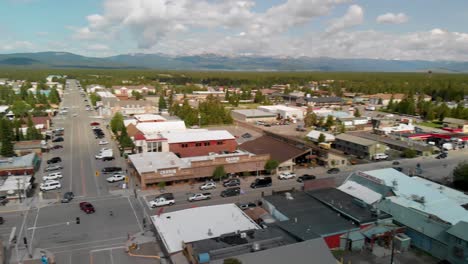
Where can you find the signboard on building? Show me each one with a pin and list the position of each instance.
(371, 178)
(167, 173)
(232, 159)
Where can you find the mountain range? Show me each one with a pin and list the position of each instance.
(225, 63)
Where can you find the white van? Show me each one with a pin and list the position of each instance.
(53, 176)
(50, 185)
(380, 156)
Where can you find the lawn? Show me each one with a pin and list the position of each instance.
(433, 124)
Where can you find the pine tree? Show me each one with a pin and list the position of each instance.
(6, 139)
(357, 113)
(162, 103)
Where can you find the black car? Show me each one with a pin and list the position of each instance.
(230, 192)
(400, 169)
(305, 177)
(108, 158)
(111, 169)
(396, 162)
(1, 220)
(67, 197)
(333, 171)
(247, 135)
(261, 182)
(54, 160)
(58, 139)
(442, 155)
(231, 183)
(56, 147)
(100, 136)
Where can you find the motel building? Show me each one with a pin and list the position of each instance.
(152, 168)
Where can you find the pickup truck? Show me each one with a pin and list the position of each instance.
(199, 196)
(161, 201)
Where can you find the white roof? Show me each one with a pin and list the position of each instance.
(158, 127)
(153, 161)
(11, 183)
(361, 192)
(149, 117)
(408, 191)
(200, 223)
(196, 135)
(129, 121)
(315, 134)
(453, 194)
(105, 94)
(274, 108)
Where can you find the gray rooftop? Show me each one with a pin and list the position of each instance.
(311, 251)
(398, 143)
(327, 99)
(356, 140)
(308, 217)
(254, 113)
(17, 162)
(459, 230)
(346, 205)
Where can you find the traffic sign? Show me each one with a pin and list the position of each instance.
(126, 179)
(97, 173)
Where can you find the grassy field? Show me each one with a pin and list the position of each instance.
(433, 124)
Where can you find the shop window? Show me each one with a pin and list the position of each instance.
(220, 143)
(206, 144)
(197, 144)
(185, 145)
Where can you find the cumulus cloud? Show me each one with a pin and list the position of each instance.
(353, 17)
(151, 21)
(391, 18)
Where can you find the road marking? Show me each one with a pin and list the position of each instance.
(85, 243)
(71, 158)
(134, 212)
(93, 248)
(35, 224)
(111, 256)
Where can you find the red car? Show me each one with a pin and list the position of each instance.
(87, 207)
(94, 124)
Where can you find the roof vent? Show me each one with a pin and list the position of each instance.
(210, 233)
(243, 235)
(256, 247)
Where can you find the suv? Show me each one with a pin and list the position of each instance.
(54, 160)
(261, 182)
(53, 176)
(111, 169)
(53, 168)
(108, 158)
(231, 183)
(230, 192)
(333, 171)
(67, 197)
(50, 185)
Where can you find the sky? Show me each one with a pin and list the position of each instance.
(377, 29)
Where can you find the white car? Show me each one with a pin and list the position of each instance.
(104, 149)
(286, 175)
(50, 185)
(103, 142)
(53, 176)
(116, 178)
(208, 186)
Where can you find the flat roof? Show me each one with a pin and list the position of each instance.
(279, 107)
(315, 134)
(199, 223)
(306, 252)
(414, 194)
(149, 117)
(11, 183)
(356, 140)
(196, 135)
(306, 217)
(153, 161)
(346, 204)
(453, 194)
(459, 230)
(17, 162)
(355, 189)
(278, 150)
(157, 127)
(393, 142)
(254, 113)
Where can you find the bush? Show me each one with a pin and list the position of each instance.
(409, 153)
(460, 176)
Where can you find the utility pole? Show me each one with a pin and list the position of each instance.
(393, 247)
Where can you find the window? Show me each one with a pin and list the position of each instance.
(185, 145)
(197, 144)
(220, 143)
(154, 146)
(206, 144)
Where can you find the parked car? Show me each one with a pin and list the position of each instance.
(94, 124)
(2, 220)
(162, 200)
(67, 197)
(56, 147)
(231, 182)
(108, 158)
(208, 185)
(395, 162)
(50, 185)
(116, 178)
(398, 168)
(244, 206)
(53, 176)
(87, 207)
(54, 160)
(306, 177)
(53, 168)
(58, 139)
(333, 171)
(199, 197)
(442, 155)
(103, 142)
(246, 135)
(230, 192)
(286, 175)
(107, 170)
(3, 200)
(261, 182)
